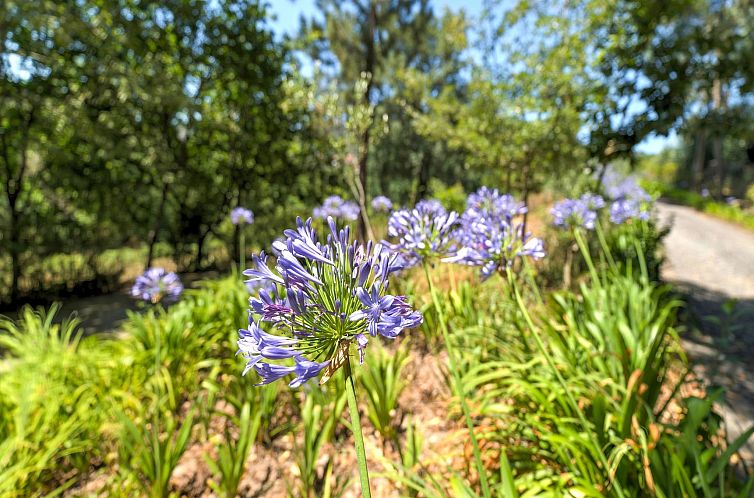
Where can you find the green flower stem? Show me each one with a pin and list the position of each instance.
(242, 250)
(603, 243)
(561, 381)
(512, 287)
(457, 387)
(358, 437)
(532, 281)
(587, 257)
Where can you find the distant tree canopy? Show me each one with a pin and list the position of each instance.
(133, 123)
(124, 122)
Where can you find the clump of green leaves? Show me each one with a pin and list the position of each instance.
(150, 448)
(240, 433)
(383, 381)
(319, 417)
(53, 387)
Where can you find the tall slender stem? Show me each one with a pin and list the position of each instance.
(358, 437)
(457, 387)
(512, 286)
(532, 281)
(605, 247)
(242, 251)
(562, 382)
(587, 257)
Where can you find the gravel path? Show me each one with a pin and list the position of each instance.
(712, 263)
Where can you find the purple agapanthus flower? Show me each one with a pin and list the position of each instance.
(490, 238)
(382, 204)
(336, 207)
(618, 187)
(593, 202)
(426, 231)
(489, 203)
(350, 211)
(319, 301)
(156, 285)
(571, 213)
(430, 207)
(623, 210)
(241, 216)
(630, 200)
(330, 207)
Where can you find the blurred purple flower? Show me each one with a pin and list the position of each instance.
(489, 237)
(382, 204)
(625, 209)
(593, 202)
(618, 186)
(570, 213)
(336, 207)
(350, 211)
(489, 203)
(427, 230)
(157, 285)
(241, 216)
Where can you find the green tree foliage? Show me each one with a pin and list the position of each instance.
(642, 69)
(129, 123)
(132, 122)
(397, 47)
(520, 119)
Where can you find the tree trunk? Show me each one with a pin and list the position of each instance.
(364, 159)
(719, 164)
(697, 164)
(200, 249)
(423, 180)
(718, 161)
(157, 225)
(363, 184)
(15, 253)
(13, 188)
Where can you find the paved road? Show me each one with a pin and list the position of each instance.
(712, 263)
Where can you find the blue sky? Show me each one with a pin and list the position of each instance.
(286, 20)
(289, 11)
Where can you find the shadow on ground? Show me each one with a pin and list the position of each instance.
(718, 337)
(105, 313)
(719, 321)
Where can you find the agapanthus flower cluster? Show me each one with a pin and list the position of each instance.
(156, 285)
(581, 212)
(618, 186)
(241, 216)
(319, 301)
(489, 236)
(336, 207)
(382, 204)
(593, 202)
(425, 231)
(626, 209)
(630, 200)
(490, 203)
